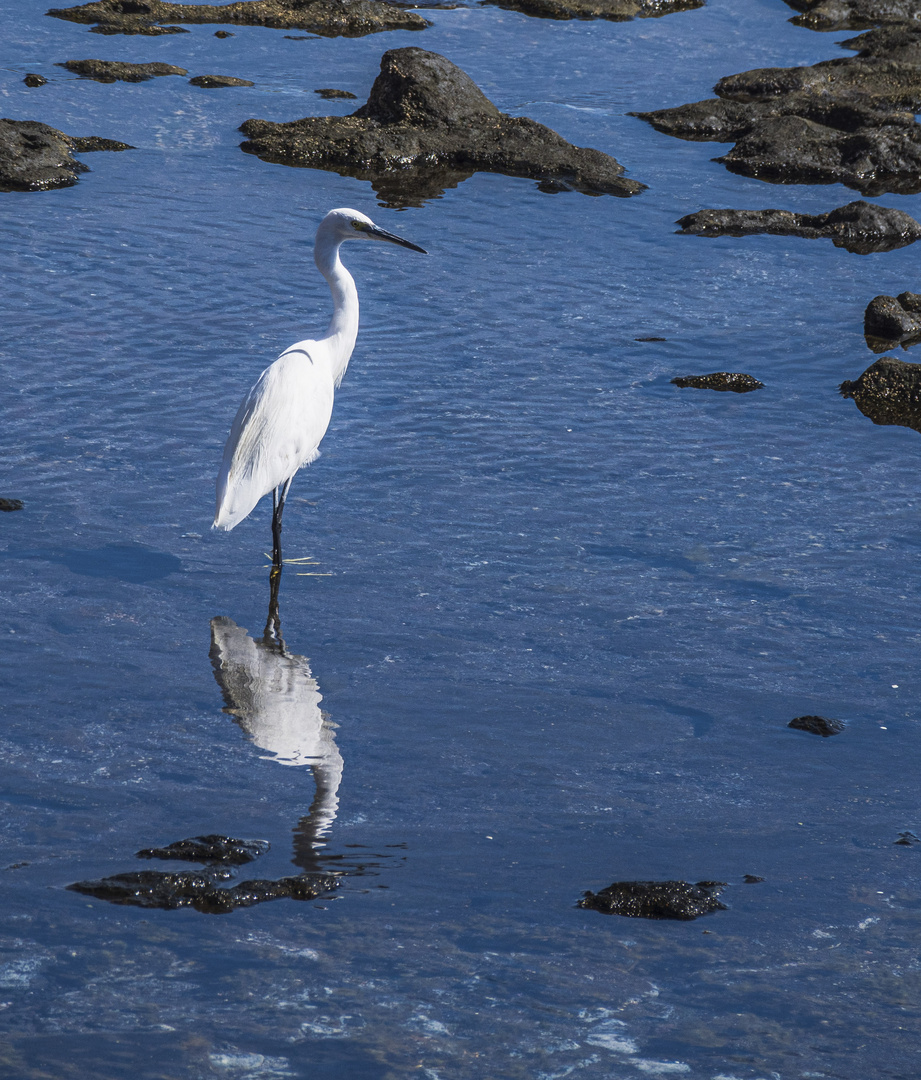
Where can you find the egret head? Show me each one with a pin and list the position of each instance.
(345, 224)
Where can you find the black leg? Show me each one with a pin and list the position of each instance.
(279, 495)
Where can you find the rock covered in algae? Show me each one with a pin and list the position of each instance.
(656, 899)
(892, 320)
(735, 381)
(108, 71)
(329, 18)
(849, 120)
(615, 10)
(888, 392)
(860, 227)
(426, 126)
(36, 157)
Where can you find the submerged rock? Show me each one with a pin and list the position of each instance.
(615, 10)
(329, 93)
(735, 381)
(209, 849)
(35, 80)
(892, 320)
(817, 725)
(9, 505)
(329, 18)
(108, 71)
(859, 226)
(36, 157)
(425, 127)
(888, 392)
(656, 899)
(907, 839)
(214, 82)
(849, 120)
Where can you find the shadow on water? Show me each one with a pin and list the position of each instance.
(119, 562)
(275, 699)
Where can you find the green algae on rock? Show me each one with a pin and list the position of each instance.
(614, 10)
(425, 127)
(328, 18)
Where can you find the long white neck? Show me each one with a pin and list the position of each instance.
(343, 326)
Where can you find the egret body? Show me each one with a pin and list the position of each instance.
(279, 426)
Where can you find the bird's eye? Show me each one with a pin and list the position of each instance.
(359, 226)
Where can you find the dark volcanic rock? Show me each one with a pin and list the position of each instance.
(93, 143)
(907, 839)
(331, 93)
(892, 320)
(615, 10)
(425, 127)
(35, 80)
(201, 889)
(849, 120)
(859, 227)
(108, 71)
(817, 725)
(852, 14)
(656, 899)
(735, 381)
(35, 157)
(209, 849)
(888, 392)
(9, 505)
(214, 82)
(329, 18)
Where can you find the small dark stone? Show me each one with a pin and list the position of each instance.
(330, 18)
(752, 879)
(908, 839)
(35, 80)
(330, 93)
(890, 320)
(650, 339)
(888, 392)
(93, 143)
(817, 725)
(859, 227)
(223, 33)
(615, 10)
(735, 381)
(214, 82)
(108, 71)
(656, 899)
(209, 849)
(426, 126)
(8, 505)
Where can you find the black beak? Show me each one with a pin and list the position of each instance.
(382, 234)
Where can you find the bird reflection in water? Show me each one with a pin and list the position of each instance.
(275, 699)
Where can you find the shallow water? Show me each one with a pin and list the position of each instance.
(559, 612)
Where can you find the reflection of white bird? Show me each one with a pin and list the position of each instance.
(275, 699)
(283, 418)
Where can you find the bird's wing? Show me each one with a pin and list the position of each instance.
(276, 431)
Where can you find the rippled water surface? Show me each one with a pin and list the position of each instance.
(558, 614)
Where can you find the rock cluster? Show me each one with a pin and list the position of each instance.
(328, 18)
(426, 126)
(860, 227)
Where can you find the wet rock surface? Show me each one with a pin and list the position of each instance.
(425, 127)
(735, 381)
(656, 899)
(849, 120)
(108, 71)
(203, 889)
(817, 725)
(216, 82)
(852, 14)
(9, 505)
(36, 157)
(860, 227)
(615, 10)
(328, 18)
(892, 320)
(888, 393)
(330, 93)
(35, 80)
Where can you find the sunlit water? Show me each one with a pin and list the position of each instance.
(558, 614)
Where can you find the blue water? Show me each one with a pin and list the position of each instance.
(557, 613)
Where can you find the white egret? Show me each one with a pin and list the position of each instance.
(279, 426)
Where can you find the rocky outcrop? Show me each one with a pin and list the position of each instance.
(860, 227)
(615, 10)
(735, 381)
(849, 120)
(425, 127)
(36, 157)
(852, 14)
(109, 71)
(888, 392)
(328, 18)
(656, 899)
(215, 82)
(892, 320)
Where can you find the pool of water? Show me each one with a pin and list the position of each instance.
(553, 614)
